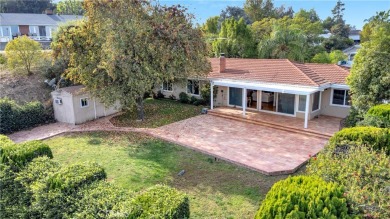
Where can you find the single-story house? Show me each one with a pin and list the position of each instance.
(39, 27)
(75, 106)
(277, 86)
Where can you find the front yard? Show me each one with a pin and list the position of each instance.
(158, 113)
(217, 189)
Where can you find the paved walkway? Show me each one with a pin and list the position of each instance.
(265, 149)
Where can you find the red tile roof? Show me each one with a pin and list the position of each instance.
(280, 71)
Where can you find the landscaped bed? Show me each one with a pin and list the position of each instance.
(216, 189)
(158, 112)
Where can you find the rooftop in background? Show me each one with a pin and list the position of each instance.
(11, 19)
(279, 71)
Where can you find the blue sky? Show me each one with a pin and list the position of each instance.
(356, 11)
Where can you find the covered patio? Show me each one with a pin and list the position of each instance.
(322, 125)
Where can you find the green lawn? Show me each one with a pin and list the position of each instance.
(158, 113)
(217, 189)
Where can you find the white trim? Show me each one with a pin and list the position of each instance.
(81, 105)
(162, 87)
(279, 88)
(211, 95)
(340, 86)
(319, 103)
(298, 103)
(338, 105)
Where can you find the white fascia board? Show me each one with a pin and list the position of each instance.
(281, 88)
(340, 86)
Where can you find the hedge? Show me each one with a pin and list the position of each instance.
(304, 197)
(15, 117)
(57, 196)
(157, 202)
(4, 140)
(18, 155)
(381, 111)
(376, 138)
(184, 98)
(365, 175)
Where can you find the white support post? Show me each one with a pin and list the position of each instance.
(307, 111)
(211, 95)
(244, 102)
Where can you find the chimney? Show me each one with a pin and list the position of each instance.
(222, 63)
(49, 11)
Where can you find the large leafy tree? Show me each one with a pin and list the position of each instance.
(70, 7)
(260, 9)
(125, 48)
(374, 21)
(23, 6)
(210, 27)
(284, 43)
(369, 80)
(233, 12)
(235, 39)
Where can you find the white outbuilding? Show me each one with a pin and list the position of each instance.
(75, 106)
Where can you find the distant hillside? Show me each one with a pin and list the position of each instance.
(24, 89)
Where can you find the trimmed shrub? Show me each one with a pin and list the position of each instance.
(304, 197)
(193, 99)
(158, 95)
(18, 155)
(157, 202)
(57, 195)
(15, 117)
(365, 175)
(382, 111)
(377, 116)
(376, 138)
(99, 200)
(184, 98)
(3, 60)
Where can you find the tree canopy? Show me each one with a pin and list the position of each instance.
(70, 7)
(125, 48)
(23, 6)
(369, 80)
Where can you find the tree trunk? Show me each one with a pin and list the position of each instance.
(140, 109)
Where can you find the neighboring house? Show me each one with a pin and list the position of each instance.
(353, 35)
(39, 27)
(350, 52)
(277, 86)
(75, 106)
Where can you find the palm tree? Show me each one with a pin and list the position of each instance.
(284, 43)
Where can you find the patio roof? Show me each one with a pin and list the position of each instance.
(281, 88)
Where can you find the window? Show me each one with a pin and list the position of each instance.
(302, 103)
(83, 102)
(316, 101)
(193, 87)
(167, 86)
(340, 97)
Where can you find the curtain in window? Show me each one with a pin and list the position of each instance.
(338, 97)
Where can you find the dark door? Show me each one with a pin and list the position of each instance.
(23, 29)
(42, 31)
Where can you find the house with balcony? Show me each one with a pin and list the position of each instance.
(39, 27)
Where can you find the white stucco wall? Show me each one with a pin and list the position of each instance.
(63, 112)
(332, 110)
(180, 86)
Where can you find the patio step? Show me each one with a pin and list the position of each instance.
(272, 125)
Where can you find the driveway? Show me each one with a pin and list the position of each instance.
(265, 149)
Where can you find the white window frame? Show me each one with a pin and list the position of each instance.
(345, 98)
(319, 101)
(193, 87)
(81, 102)
(162, 86)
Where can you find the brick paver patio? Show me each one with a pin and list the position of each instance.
(265, 149)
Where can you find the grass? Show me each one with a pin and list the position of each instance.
(217, 189)
(158, 113)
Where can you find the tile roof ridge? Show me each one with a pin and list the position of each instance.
(302, 72)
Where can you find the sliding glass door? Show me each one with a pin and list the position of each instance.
(235, 96)
(286, 103)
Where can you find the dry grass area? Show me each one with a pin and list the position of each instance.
(23, 88)
(217, 189)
